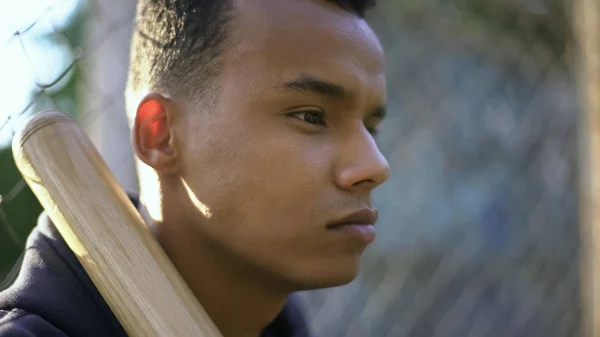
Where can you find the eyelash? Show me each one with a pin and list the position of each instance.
(320, 115)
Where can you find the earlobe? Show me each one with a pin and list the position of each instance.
(153, 137)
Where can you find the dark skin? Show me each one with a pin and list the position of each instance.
(243, 185)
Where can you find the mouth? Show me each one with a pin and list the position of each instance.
(365, 217)
(358, 226)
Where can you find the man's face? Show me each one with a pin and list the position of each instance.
(286, 150)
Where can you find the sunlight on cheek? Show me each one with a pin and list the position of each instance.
(203, 208)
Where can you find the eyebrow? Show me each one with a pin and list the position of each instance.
(324, 88)
(316, 86)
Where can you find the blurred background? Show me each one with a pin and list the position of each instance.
(479, 229)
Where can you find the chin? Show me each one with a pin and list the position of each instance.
(335, 281)
(325, 277)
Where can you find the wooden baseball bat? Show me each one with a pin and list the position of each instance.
(105, 231)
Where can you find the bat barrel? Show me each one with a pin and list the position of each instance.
(105, 231)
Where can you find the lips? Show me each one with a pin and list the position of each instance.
(365, 216)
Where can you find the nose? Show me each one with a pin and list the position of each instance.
(361, 166)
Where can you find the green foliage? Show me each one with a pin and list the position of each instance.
(18, 214)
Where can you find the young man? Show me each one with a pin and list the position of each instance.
(252, 123)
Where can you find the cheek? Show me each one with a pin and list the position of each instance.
(285, 179)
(269, 182)
(259, 175)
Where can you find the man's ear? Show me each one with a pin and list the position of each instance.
(153, 137)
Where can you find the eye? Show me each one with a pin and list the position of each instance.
(314, 117)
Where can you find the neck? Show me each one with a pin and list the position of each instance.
(240, 303)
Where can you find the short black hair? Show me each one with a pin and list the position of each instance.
(176, 43)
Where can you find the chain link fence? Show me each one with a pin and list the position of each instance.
(478, 232)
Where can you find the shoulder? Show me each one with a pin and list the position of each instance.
(51, 294)
(19, 323)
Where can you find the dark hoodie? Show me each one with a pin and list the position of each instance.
(53, 296)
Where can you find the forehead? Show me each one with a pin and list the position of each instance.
(283, 39)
